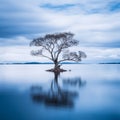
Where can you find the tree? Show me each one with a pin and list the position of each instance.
(55, 48)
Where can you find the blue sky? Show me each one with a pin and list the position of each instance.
(96, 24)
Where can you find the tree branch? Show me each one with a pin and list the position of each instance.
(39, 53)
(67, 60)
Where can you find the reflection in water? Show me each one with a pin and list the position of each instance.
(57, 96)
(99, 100)
(74, 81)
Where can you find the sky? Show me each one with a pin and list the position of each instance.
(95, 23)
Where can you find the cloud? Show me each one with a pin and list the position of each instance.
(19, 40)
(22, 19)
(96, 23)
(17, 54)
(86, 6)
(22, 54)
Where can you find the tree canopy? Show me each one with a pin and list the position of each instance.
(56, 46)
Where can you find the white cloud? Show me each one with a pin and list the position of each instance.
(17, 54)
(19, 40)
(29, 18)
(92, 21)
(22, 54)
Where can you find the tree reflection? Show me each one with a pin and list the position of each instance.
(57, 96)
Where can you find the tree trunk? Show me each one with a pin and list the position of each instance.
(57, 66)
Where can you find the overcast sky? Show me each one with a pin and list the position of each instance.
(95, 23)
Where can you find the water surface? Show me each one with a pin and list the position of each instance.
(86, 92)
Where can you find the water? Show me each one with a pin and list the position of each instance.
(86, 92)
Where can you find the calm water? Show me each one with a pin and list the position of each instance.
(85, 92)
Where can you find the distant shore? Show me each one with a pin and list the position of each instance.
(26, 63)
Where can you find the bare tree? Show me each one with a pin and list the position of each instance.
(55, 48)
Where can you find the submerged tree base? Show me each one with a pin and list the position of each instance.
(56, 70)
